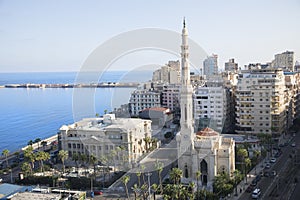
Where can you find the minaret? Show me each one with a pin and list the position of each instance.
(186, 96)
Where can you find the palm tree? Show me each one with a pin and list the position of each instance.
(159, 167)
(42, 156)
(44, 144)
(147, 143)
(37, 140)
(30, 143)
(136, 190)
(237, 176)
(138, 174)
(125, 179)
(26, 168)
(191, 188)
(30, 156)
(176, 175)
(243, 153)
(63, 155)
(75, 157)
(154, 188)
(247, 164)
(5, 152)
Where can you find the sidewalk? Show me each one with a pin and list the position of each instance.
(242, 186)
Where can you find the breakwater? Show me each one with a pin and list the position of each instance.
(79, 85)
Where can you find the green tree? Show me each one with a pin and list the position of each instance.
(30, 143)
(42, 156)
(176, 175)
(26, 168)
(30, 156)
(63, 155)
(237, 177)
(154, 188)
(147, 143)
(37, 140)
(44, 144)
(222, 185)
(159, 166)
(5, 153)
(136, 190)
(125, 179)
(242, 154)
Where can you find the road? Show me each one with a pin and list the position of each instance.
(279, 186)
(166, 155)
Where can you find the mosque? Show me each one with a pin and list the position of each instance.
(206, 151)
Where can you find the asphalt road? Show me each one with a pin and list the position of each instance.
(279, 186)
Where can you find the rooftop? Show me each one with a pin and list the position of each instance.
(207, 132)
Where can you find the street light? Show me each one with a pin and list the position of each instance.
(149, 188)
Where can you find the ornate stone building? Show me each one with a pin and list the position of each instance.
(206, 151)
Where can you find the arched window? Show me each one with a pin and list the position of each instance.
(186, 171)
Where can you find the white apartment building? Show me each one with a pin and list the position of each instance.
(284, 60)
(211, 107)
(119, 141)
(141, 99)
(170, 96)
(260, 102)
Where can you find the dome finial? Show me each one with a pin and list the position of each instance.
(183, 22)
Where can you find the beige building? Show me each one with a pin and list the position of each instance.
(260, 102)
(206, 151)
(285, 60)
(118, 140)
(170, 73)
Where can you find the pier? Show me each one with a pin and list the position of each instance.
(79, 85)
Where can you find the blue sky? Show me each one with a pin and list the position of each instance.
(59, 35)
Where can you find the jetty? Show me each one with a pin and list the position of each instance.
(78, 85)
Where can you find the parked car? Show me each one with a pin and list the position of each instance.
(98, 192)
(268, 166)
(253, 183)
(273, 160)
(256, 193)
(266, 174)
(293, 144)
(273, 173)
(257, 178)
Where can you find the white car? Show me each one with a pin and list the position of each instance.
(293, 144)
(256, 193)
(273, 160)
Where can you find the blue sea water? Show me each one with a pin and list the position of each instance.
(27, 114)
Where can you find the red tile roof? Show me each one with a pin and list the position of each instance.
(207, 132)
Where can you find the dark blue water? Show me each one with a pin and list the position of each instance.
(27, 114)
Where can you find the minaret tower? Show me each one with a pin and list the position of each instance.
(186, 97)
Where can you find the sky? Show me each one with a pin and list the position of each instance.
(55, 35)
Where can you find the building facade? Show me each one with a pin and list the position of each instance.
(260, 102)
(141, 99)
(114, 141)
(231, 66)
(169, 73)
(170, 97)
(210, 65)
(285, 60)
(211, 107)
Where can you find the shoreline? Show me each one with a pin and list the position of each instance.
(34, 145)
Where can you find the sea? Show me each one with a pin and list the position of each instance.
(30, 113)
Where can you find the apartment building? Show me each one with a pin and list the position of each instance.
(141, 99)
(285, 60)
(211, 107)
(260, 102)
(170, 96)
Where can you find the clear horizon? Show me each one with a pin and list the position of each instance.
(58, 36)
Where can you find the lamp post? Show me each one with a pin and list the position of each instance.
(149, 187)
